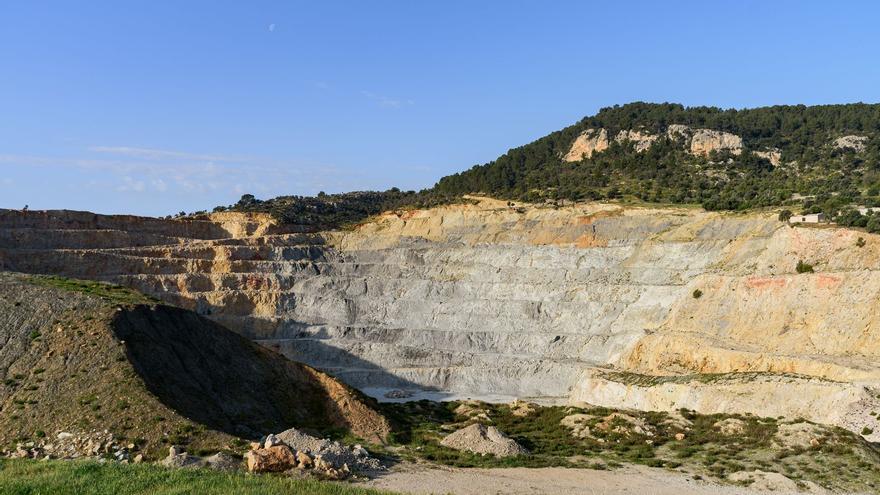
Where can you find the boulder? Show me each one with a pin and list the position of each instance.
(272, 460)
(625, 424)
(271, 441)
(222, 461)
(730, 426)
(177, 458)
(303, 461)
(522, 408)
(577, 423)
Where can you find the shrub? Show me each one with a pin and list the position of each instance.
(784, 215)
(803, 267)
(860, 242)
(698, 293)
(867, 431)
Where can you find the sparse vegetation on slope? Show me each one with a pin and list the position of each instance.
(710, 446)
(108, 292)
(76, 361)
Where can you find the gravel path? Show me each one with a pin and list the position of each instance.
(431, 479)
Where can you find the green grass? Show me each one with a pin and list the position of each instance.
(108, 292)
(25, 477)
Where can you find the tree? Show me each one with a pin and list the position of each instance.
(784, 215)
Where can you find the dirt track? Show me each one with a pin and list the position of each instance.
(424, 479)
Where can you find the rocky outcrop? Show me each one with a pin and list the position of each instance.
(641, 140)
(480, 439)
(588, 142)
(774, 156)
(851, 142)
(705, 141)
(699, 142)
(839, 403)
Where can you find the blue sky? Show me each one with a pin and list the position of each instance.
(153, 106)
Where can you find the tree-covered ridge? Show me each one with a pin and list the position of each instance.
(810, 173)
(329, 211)
(810, 164)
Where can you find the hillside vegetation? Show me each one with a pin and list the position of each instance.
(808, 163)
(817, 158)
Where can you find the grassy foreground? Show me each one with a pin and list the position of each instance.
(26, 477)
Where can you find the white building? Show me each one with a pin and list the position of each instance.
(811, 218)
(864, 211)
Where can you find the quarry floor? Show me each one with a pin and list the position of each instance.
(425, 479)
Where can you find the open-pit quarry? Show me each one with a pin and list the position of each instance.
(622, 306)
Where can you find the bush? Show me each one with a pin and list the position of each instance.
(804, 267)
(784, 215)
(698, 293)
(860, 242)
(867, 431)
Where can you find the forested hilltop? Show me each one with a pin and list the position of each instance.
(784, 150)
(816, 158)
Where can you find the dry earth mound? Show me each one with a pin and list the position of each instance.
(84, 357)
(481, 439)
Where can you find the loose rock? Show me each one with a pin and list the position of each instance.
(481, 439)
(271, 460)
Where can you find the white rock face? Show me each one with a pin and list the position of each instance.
(824, 401)
(774, 156)
(704, 141)
(699, 141)
(487, 301)
(855, 143)
(641, 140)
(590, 141)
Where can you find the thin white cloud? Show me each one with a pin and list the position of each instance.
(129, 184)
(272, 27)
(159, 185)
(156, 154)
(387, 101)
(130, 170)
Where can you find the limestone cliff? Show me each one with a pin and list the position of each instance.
(698, 141)
(588, 142)
(495, 301)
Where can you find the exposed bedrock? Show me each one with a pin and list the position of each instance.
(487, 300)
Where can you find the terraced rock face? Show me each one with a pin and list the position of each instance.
(494, 301)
